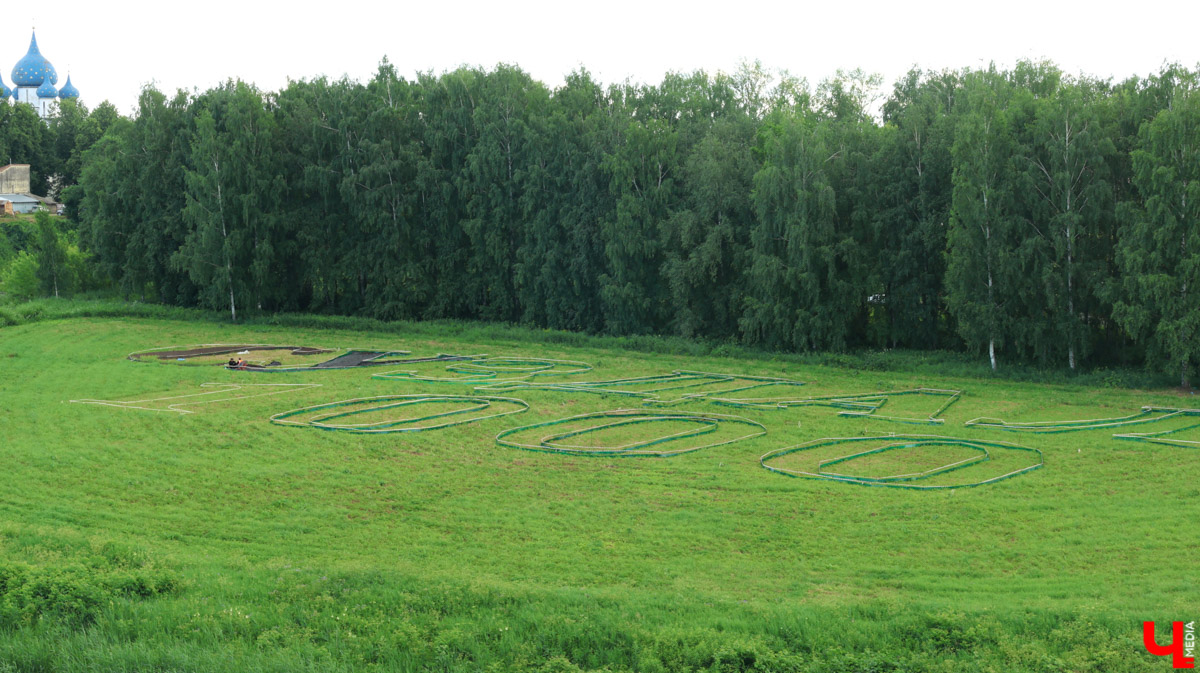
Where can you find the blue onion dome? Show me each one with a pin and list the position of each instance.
(33, 69)
(47, 90)
(68, 90)
(5, 92)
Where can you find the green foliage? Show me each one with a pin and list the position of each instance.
(28, 596)
(17, 234)
(47, 262)
(982, 210)
(75, 581)
(234, 247)
(1063, 170)
(7, 251)
(561, 258)
(707, 241)
(912, 189)
(53, 268)
(54, 151)
(25, 139)
(1160, 247)
(19, 280)
(133, 239)
(983, 275)
(805, 279)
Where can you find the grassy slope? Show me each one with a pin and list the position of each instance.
(289, 549)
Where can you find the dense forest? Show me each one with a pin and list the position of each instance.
(1023, 215)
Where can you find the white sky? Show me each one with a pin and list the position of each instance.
(112, 49)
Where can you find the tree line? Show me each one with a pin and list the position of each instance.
(54, 148)
(1021, 214)
(41, 256)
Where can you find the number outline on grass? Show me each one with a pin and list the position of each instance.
(478, 372)
(900, 442)
(219, 388)
(1054, 427)
(678, 379)
(387, 427)
(633, 416)
(854, 405)
(1158, 437)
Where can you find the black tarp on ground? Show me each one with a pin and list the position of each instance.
(224, 349)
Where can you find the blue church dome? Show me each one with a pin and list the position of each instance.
(47, 90)
(33, 69)
(68, 90)
(5, 92)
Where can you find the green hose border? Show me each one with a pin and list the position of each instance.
(1056, 427)
(1157, 437)
(942, 469)
(632, 416)
(920, 439)
(855, 405)
(281, 418)
(478, 372)
(678, 379)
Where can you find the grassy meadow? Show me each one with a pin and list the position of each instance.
(152, 540)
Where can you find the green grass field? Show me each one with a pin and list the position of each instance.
(151, 540)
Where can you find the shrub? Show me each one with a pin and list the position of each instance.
(20, 279)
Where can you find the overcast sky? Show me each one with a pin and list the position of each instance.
(113, 49)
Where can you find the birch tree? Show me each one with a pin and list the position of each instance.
(797, 296)
(981, 246)
(208, 253)
(1064, 169)
(1159, 251)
